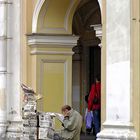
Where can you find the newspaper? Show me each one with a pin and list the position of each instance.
(60, 117)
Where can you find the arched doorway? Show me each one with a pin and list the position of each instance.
(45, 15)
(51, 42)
(87, 56)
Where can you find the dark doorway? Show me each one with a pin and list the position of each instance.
(87, 58)
(95, 63)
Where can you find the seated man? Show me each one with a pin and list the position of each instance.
(72, 124)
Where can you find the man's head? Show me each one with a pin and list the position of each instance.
(65, 109)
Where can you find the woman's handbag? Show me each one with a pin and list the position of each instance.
(96, 98)
(89, 120)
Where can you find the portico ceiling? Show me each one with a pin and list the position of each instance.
(87, 13)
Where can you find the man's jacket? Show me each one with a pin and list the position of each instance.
(72, 126)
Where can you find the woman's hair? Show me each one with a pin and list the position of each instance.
(65, 107)
(98, 77)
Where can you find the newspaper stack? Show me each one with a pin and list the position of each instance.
(29, 115)
(46, 126)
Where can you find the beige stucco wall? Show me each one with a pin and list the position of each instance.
(135, 65)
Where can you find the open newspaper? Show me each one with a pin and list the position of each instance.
(60, 117)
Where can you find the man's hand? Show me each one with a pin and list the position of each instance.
(66, 113)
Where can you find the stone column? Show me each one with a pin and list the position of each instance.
(3, 67)
(14, 70)
(118, 124)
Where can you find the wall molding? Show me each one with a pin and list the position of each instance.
(40, 12)
(117, 131)
(36, 15)
(37, 52)
(62, 40)
(42, 63)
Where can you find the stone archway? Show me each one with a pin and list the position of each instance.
(88, 13)
(47, 21)
(51, 17)
(51, 24)
(42, 7)
(51, 44)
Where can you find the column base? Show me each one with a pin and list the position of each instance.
(3, 127)
(117, 131)
(14, 130)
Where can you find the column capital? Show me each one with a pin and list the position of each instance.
(43, 44)
(45, 39)
(98, 30)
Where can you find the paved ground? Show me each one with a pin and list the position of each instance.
(87, 137)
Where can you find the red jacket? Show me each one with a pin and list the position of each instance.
(92, 94)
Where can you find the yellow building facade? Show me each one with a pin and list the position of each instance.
(44, 35)
(48, 47)
(47, 67)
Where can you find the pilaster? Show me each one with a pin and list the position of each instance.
(14, 119)
(3, 67)
(118, 123)
(51, 66)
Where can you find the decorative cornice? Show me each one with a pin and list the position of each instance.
(37, 52)
(98, 30)
(62, 40)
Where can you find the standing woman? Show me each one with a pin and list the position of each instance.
(94, 103)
